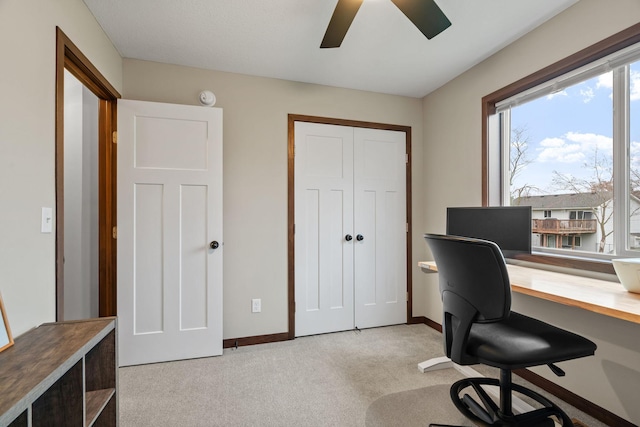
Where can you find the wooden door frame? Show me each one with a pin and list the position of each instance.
(69, 57)
(291, 203)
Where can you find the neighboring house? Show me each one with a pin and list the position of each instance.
(577, 221)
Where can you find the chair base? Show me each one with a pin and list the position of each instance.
(488, 413)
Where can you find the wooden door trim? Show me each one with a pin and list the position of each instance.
(69, 57)
(292, 118)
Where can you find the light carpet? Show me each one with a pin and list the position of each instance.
(363, 378)
(415, 408)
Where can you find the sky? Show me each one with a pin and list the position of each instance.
(565, 129)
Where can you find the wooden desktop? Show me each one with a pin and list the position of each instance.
(599, 296)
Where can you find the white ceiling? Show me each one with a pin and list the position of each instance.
(382, 52)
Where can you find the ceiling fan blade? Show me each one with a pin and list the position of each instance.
(340, 22)
(425, 14)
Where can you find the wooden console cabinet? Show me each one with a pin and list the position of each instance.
(61, 374)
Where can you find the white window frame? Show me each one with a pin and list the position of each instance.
(500, 126)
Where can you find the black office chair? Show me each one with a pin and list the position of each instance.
(479, 327)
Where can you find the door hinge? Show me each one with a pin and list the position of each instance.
(114, 137)
(406, 157)
(406, 228)
(114, 232)
(407, 296)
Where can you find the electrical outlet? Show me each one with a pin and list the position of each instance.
(256, 305)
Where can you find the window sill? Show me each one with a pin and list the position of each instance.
(598, 266)
(599, 296)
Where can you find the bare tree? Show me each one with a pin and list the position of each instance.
(518, 160)
(634, 180)
(599, 184)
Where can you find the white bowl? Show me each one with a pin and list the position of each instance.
(628, 271)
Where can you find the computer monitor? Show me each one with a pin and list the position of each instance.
(508, 226)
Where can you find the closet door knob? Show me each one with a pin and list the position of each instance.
(348, 238)
(359, 237)
(214, 245)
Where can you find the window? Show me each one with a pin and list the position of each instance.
(572, 144)
(551, 241)
(580, 215)
(567, 241)
(571, 241)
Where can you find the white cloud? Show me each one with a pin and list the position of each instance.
(605, 81)
(552, 142)
(558, 93)
(587, 94)
(573, 147)
(589, 141)
(557, 150)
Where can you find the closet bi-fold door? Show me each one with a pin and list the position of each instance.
(350, 228)
(324, 217)
(380, 225)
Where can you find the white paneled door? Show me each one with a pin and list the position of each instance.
(350, 228)
(169, 232)
(380, 227)
(324, 228)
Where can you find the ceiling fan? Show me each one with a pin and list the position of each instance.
(425, 14)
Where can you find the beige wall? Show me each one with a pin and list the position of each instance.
(446, 169)
(255, 172)
(27, 144)
(452, 176)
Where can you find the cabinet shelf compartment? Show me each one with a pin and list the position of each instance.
(61, 374)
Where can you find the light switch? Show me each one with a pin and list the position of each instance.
(47, 220)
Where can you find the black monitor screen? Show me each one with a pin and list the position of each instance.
(508, 226)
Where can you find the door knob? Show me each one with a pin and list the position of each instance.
(348, 238)
(359, 237)
(214, 245)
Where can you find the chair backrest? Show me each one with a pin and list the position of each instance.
(474, 286)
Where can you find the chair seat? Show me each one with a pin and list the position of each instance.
(521, 341)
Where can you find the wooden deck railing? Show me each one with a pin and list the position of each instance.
(563, 226)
